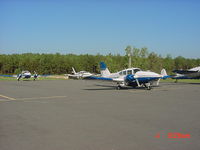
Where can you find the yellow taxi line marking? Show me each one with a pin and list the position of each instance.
(10, 98)
(5, 100)
(30, 98)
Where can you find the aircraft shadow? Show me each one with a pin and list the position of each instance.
(101, 89)
(185, 83)
(195, 83)
(110, 87)
(26, 80)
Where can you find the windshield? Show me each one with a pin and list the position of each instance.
(136, 70)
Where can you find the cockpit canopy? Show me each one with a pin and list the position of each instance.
(23, 72)
(129, 71)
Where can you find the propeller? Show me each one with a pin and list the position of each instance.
(129, 78)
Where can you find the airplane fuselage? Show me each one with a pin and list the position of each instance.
(193, 73)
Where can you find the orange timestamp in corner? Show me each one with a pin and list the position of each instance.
(173, 135)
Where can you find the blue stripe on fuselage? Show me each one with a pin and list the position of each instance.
(147, 79)
(141, 80)
(99, 78)
(26, 76)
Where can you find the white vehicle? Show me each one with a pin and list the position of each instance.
(26, 75)
(79, 75)
(193, 73)
(131, 77)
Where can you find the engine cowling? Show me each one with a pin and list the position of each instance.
(129, 78)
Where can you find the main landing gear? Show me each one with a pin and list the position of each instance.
(118, 87)
(147, 86)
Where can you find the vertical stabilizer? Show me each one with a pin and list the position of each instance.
(163, 72)
(73, 70)
(104, 70)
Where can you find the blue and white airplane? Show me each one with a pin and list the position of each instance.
(193, 73)
(131, 77)
(26, 75)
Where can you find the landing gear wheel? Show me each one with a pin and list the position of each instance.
(149, 87)
(118, 87)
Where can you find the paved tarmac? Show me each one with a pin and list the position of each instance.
(89, 115)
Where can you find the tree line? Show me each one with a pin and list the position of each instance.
(62, 63)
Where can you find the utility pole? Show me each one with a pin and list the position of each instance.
(129, 60)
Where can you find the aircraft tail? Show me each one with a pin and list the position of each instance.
(73, 70)
(104, 70)
(164, 74)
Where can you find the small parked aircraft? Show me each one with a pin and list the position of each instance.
(26, 75)
(131, 77)
(193, 73)
(79, 75)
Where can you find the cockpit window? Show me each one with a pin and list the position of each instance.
(136, 70)
(25, 71)
(129, 72)
(120, 73)
(124, 72)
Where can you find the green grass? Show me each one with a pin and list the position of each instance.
(39, 78)
(7, 79)
(54, 78)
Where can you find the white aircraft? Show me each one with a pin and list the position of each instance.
(193, 73)
(79, 75)
(26, 74)
(131, 77)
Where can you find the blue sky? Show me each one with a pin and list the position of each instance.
(100, 26)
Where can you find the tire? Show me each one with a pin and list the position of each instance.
(149, 88)
(118, 87)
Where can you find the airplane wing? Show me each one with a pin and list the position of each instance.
(73, 76)
(184, 71)
(118, 80)
(100, 78)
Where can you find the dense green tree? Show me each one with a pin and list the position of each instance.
(61, 64)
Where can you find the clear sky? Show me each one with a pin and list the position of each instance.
(100, 26)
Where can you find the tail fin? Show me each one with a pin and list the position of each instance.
(104, 70)
(164, 74)
(73, 70)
